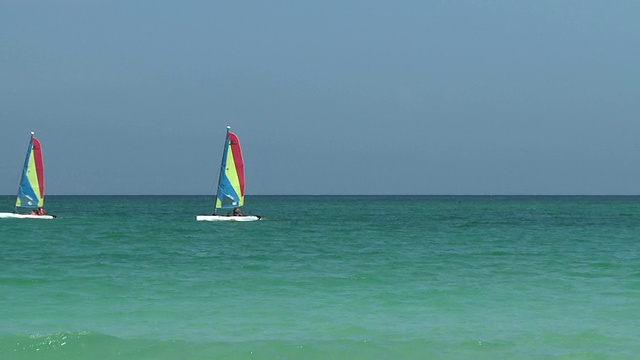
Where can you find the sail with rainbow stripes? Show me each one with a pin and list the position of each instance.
(230, 192)
(31, 189)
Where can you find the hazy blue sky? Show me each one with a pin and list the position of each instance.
(327, 97)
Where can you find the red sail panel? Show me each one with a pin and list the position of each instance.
(237, 158)
(37, 157)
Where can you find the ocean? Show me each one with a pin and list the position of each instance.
(323, 277)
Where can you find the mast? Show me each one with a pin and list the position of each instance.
(222, 163)
(15, 208)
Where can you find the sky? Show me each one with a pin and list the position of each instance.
(327, 97)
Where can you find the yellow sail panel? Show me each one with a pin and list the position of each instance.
(32, 176)
(232, 175)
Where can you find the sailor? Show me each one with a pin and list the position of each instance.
(237, 212)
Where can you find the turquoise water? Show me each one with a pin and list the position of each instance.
(323, 278)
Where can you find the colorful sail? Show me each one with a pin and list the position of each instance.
(231, 183)
(31, 190)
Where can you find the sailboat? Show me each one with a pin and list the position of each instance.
(31, 188)
(230, 192)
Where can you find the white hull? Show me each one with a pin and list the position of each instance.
(24, 216)
(226, 218)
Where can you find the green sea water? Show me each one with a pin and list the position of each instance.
(325, 277)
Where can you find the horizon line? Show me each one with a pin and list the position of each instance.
(345, 195)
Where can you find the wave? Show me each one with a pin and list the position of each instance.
(90, 345)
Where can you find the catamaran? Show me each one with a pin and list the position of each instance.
(230, 193)
(31, 188)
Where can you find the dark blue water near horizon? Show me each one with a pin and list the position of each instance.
(323, 277)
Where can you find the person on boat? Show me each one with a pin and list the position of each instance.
(40, 211)
(237, 212)
(32, 212)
